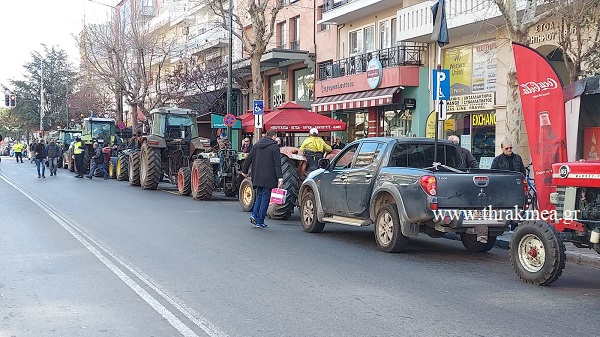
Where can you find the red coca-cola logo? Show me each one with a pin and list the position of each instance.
(534, 87)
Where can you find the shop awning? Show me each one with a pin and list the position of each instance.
(355, 100)
(292, 117)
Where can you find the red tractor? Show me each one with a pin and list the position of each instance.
(572, 210)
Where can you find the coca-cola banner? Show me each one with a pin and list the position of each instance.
(544, 114)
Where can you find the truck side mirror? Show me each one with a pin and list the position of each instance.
(323, 163)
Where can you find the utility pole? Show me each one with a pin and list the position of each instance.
(41, 95)
(229, 68)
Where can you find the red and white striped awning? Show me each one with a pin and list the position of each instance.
(355, 100)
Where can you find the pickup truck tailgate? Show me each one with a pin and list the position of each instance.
(479, 188)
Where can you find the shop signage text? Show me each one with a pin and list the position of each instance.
(374, 73)
(483, 119)
(473, 102)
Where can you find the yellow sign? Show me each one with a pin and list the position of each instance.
(430, 125)
(473, 102)
(483, 119)
(459, 61)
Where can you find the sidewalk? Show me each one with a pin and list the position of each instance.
(581, 256)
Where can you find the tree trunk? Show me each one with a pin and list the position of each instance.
(257, 86)
(514, 111)
(133, 108)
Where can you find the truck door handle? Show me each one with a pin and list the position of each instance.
(368, 176)
(343, 177)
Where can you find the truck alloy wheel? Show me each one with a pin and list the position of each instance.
(388, 231)
(537, 252)
(308, 214)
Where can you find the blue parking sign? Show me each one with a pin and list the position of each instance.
(258, 107)
(444, 84)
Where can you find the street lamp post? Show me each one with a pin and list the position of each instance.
(229, 67)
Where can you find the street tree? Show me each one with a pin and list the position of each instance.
(262, 15)
(48, 80)
(129, 56)
(89, 96)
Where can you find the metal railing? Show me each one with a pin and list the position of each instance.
(389, 57)
(333, 4)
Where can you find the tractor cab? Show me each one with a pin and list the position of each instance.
(101, 130)
(174, 123)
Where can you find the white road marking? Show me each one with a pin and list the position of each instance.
(85, 240)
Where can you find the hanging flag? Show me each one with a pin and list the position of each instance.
(440, 26)
(544, 115)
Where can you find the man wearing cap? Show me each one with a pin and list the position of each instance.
(313, 148)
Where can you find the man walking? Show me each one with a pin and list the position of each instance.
(266, 174)
(18, 150)
(52, 155)
(98, 159)
(78, 149)
(467, 156)
(507, 160)
(40, 156)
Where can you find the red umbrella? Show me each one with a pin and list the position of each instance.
(292, 117)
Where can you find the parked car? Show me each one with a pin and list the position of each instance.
(395, 184)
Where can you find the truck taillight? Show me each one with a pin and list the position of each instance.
(429, 185)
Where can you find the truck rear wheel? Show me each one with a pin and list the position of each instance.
(150, 170)
(472, 245)
(184, 181)
(122, 167)
(203, 180)
(291, 184)
(246, 195)
(134, 169)
(308, 214)
(388, 233)
(537, 252)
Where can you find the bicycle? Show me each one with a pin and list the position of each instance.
(531, 201)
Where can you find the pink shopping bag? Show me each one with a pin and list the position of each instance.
(278, 196)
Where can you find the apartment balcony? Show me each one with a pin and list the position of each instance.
(342, 11)
(294, 45)
(415, 23)
(390, 57)
(214, 38)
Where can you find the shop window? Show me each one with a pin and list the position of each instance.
(477, 133)
(277, 88)
(304, 82)
(397, 122)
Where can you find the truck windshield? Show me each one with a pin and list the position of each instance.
(421, 155)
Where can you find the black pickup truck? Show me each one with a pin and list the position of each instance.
(395, 184)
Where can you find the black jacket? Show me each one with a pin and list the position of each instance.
(501, 163)
(40, 151)
(467, 156)
(266, 163)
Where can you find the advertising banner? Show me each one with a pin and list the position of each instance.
(458, 60)
(544, 114)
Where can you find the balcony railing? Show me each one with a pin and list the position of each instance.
(389, 57)
(333, 4)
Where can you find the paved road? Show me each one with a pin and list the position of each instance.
(101, 258)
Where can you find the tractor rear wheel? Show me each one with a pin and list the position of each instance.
(134, 169)
(112, 167)
(291, 184)
(246, 195)
(537, 252)
(203, 180)
(184, 181)
(150, 170)
(122, 165)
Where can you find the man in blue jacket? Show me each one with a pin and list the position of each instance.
(266, 174)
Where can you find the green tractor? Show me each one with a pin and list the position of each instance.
(172, 150)
(100, 130)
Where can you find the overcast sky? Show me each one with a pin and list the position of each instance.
(25, 24)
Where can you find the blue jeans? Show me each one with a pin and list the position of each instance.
(99, 167)
(38, 163)
(261, 203)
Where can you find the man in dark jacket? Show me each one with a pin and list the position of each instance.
(508, 161)
(266, 174)
(52, 155)
(98, 159)
(40, 156)
(467, 156)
